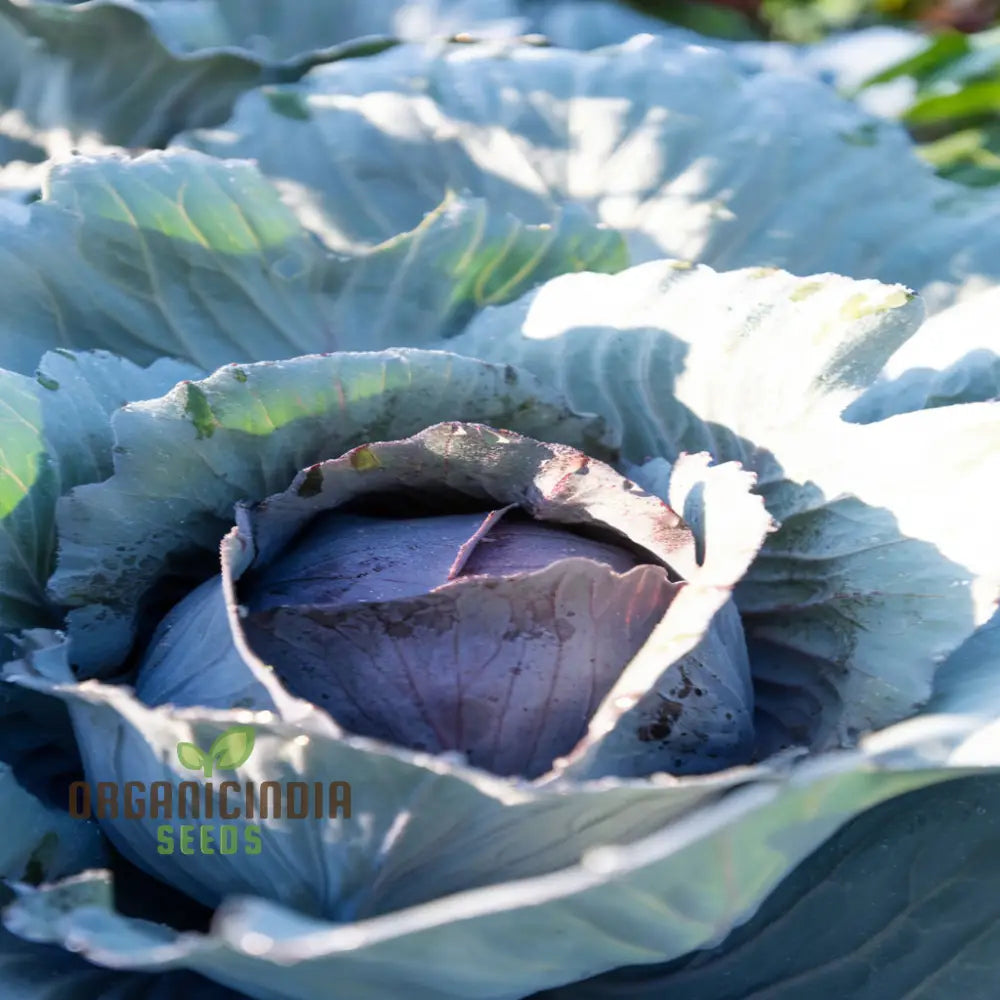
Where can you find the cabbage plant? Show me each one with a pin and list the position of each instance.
(469, 555)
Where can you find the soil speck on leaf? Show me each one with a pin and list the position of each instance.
(312, 484)
(663, 723)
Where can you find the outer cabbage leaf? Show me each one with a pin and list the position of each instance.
(868, 586)
(676, 146)
(181, 462)
(929, 927)
(373, 862)
(286, 29)
(953, 358)
(55, 433)
(591, 25)
(46, 843)
(161, 255)
(41, 842)
(105, 73)
(183, 255)
(30, 971)
(628, 904)
(966, 681)
(845, 60)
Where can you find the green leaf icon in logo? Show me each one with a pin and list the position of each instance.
(190, 756)
(229, 750)
(233, 747)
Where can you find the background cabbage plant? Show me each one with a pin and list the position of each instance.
(590, 454)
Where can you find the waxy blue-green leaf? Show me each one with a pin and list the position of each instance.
(925, 865)
(182, 461)
(290, 29)
(595, 23)
(628, 904)
(953, 358)
(182, 255)
(966, 681)
(844, 60)
(888, 553)
(136, 73)
(157, 256)
(276, 35)
(96, 73)
(364, 864)
(678, 147)
(30, 971)
(55, 433)
(42, 842)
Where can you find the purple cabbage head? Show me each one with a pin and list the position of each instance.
(475, 592)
